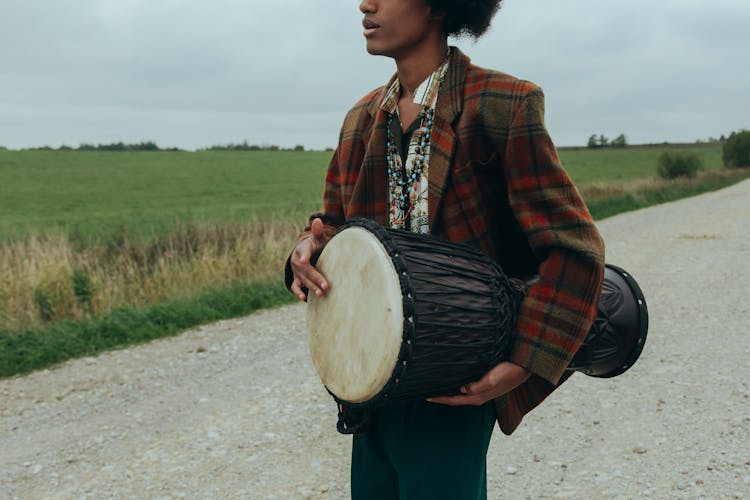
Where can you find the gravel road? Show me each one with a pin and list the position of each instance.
(235, 410)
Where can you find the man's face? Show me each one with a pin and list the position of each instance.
(394, 28)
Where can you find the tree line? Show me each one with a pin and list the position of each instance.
(245, 146)
(152, 146)
(113, 146)
(602, 141)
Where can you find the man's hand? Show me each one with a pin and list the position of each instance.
(305, 275)
(500, 380)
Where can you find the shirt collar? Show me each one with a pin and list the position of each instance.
(425, 95)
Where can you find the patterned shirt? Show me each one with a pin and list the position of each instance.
(426, 96)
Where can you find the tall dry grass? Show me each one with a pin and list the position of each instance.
(596, 191)
(49, 277)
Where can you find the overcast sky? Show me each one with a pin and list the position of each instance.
(191, 74)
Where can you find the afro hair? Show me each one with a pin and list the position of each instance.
(467, 17)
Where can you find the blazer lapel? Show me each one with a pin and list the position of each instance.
(370, 195)
(443, 136)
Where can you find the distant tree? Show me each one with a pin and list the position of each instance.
(593, 143)
(3, 148)
(673, 165)
(146, 146)
(120, 146)
(115, 146)
(245, 146)
(736, 150)
(619, 142)
(603, 141)
(723, 138)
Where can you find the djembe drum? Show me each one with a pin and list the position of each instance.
(409, 316)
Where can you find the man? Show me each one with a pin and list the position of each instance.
(459, 152)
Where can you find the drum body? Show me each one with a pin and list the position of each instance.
(406, 316)
(616, 339)
(410, 316)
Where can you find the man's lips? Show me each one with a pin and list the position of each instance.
(369, 26)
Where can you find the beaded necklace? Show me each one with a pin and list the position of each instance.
(404, 186)
(407, 175)
(408, 188)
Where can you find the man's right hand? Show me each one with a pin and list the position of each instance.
(305, 275)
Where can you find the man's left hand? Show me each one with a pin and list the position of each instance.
(500, 380)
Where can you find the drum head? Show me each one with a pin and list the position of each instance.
(356, 329)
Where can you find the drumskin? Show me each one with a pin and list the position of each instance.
(355, 356)
(495, 183)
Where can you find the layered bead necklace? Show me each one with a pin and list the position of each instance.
(404, 186)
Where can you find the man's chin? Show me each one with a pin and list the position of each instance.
(374, 50)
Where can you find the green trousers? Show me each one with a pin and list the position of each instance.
(422, 450)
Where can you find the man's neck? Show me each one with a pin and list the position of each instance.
(414, 68)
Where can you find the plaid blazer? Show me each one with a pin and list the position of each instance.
(496, 183)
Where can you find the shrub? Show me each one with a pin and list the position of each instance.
(673, 165)
(83, 289)
(53, 298)
(736, 151)
(45, 304)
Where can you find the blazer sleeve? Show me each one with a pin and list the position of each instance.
(559, 308)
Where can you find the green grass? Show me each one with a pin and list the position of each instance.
(22, 352)
(97, 194)
(586, 166)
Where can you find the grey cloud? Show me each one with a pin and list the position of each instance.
(195, 73)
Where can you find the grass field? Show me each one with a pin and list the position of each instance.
(587, 166)
(143, 194)
(96, 194)
(92, 241)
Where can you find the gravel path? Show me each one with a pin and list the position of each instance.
(235, 410)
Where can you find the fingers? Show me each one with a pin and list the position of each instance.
(308, 277)
(297, 290)
(474, 394)
(319, 239)
(503, 378)
(500, 380)
(302, 253)
(484, 384)
(305, 275)
(460, 400)
(318, 231)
